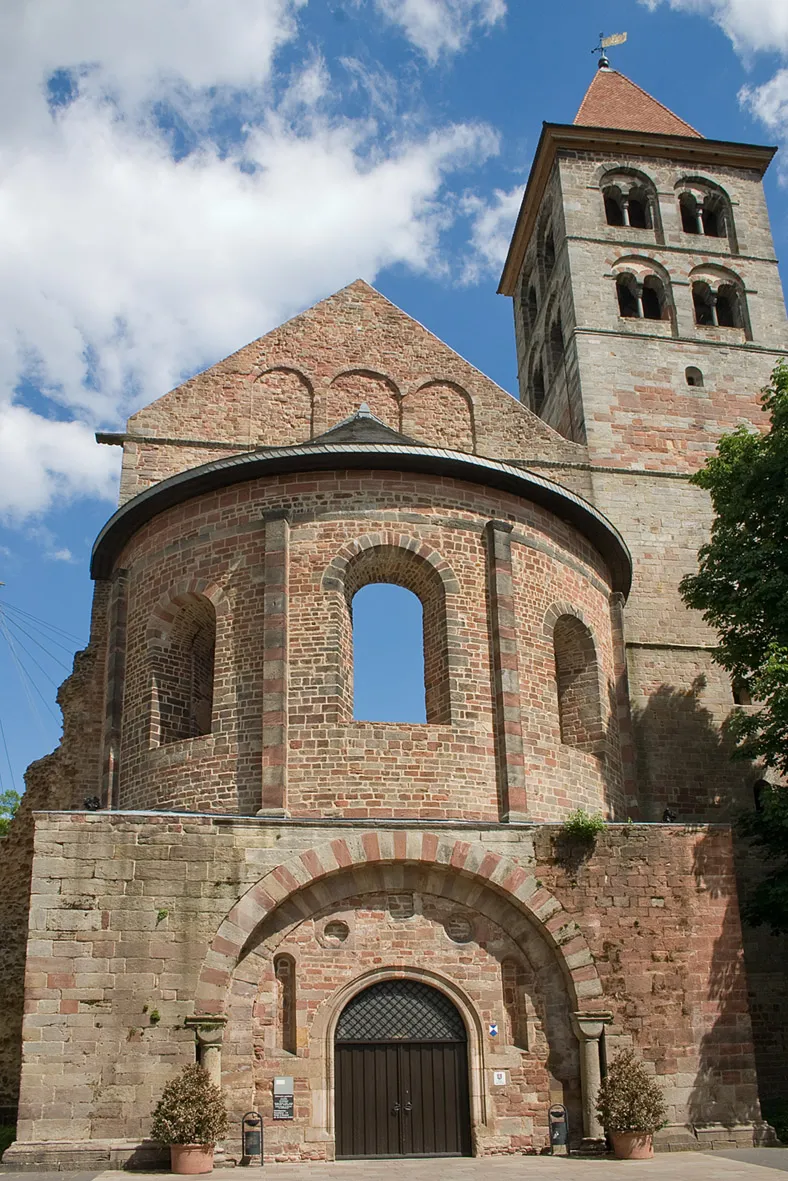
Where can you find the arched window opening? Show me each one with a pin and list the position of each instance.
(285, 975)
(556, 346)
(741, 692)
(707, 213)
(182, 668)
(639, 210)
(723, 308)
(690, 214)
(548, 254)
(533, 305)
(728, 314)
(577, 685)
(537, 390)
(693, 375)
(654, 301)
(712, 219)
(513, 988)
(388, 648)
(703, 301)
(628, 302)
(614, 207)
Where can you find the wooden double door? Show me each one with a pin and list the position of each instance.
(401, 1074)
(402, 1099)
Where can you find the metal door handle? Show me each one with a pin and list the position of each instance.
(408, 1107)
(395, 1108)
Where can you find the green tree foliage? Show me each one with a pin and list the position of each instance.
(9, 802)
(742, 590)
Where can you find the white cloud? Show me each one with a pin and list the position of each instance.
(769, 103)
(41, 460)
(123, 266)
(437, 27)
(492, 225)
(752, 25)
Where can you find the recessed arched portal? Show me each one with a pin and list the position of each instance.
(401, 1073)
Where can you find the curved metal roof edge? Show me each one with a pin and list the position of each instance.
(276, 461)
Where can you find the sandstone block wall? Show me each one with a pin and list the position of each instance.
(138, 922)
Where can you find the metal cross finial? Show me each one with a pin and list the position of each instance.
(605, 43)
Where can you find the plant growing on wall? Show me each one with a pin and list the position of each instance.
(582, 826)
(742, 590)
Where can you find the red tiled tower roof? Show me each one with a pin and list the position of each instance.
(612, 100)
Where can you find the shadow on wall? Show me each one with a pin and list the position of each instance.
(684, 759)
(725, 1089)
(684, 763)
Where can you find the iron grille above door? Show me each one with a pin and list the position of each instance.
(400, 1010)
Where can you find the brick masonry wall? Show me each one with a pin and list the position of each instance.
(336, 765)
(315, 370)
(124, 909)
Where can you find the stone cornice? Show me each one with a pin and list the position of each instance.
(314, 457)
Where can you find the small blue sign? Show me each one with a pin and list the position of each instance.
(493, 1028)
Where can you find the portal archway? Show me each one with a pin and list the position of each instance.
(401, 1073)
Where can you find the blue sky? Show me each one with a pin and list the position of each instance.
(179, 176)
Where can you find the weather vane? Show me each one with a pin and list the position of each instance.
(605, 43)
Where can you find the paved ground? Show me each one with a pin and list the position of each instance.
(746, 1164)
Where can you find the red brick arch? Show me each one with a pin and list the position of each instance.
(163, 614)
(469, 859)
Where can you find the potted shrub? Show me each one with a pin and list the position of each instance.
(190, 1117)
(631, 1107)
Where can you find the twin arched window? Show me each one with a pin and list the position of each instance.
(629, 205)
(719, 301)
(705, 210)
(642, 300)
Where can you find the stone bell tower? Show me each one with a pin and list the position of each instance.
(649, 314)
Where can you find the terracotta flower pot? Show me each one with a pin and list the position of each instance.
(633, 1145)
(188, 1159)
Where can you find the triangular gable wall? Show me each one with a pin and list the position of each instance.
(312, 372)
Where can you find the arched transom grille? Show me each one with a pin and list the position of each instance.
(400, 1010)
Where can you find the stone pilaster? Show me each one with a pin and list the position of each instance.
(506, 674)
(589, 1028)
(209, 1033)
(275, 663)
(623, 706)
